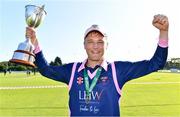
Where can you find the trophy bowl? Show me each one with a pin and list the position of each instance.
(34, 15)
(24, 55)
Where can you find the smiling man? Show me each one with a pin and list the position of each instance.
(95, 44)
(95, 85)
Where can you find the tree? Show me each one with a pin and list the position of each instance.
(57, 62)
(51, 63)
(6, 65)
(173, 63)
(1, 67)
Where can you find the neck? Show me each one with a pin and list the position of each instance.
(92, 63)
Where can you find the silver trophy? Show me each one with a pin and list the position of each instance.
(24, 54)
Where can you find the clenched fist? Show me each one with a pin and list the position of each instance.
(161, 22)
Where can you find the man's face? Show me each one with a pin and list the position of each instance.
(95, 45)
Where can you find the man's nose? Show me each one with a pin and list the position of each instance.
(95, 45)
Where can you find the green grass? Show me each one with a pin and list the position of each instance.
(152, 99)
(140, 100)
(21, 79)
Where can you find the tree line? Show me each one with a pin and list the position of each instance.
(173, 63)
(8, 66)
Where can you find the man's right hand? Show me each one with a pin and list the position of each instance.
(31, 34)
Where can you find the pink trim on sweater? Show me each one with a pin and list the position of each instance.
(37, 49)
(115, 78)
(163, 43)
(72, 76)
(91, 75)
(82, 66)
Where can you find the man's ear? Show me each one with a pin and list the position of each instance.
(107, 44)
(84, 44)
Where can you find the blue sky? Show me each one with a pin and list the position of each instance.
(128, 24)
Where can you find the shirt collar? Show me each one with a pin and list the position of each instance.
(104, 65)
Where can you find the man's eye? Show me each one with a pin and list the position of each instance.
(89, 42)
(100, 42)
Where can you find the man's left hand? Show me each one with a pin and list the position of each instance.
(161, 22)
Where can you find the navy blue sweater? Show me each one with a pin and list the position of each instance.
(107, 92)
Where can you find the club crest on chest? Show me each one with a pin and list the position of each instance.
(80, 80)
(104, 79)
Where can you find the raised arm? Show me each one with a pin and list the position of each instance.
(161, 22)
(58, 73)
(130, 70)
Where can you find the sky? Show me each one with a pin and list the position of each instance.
(128, 24)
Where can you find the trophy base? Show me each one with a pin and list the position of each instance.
(23, 57)
(22, 62)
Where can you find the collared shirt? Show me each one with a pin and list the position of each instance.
(103, 65)
(92, 71)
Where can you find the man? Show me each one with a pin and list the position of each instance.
(95, 85)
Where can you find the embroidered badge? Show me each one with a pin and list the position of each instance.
(104, 79)
(79, 80)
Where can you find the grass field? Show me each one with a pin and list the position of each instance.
(157, 94)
